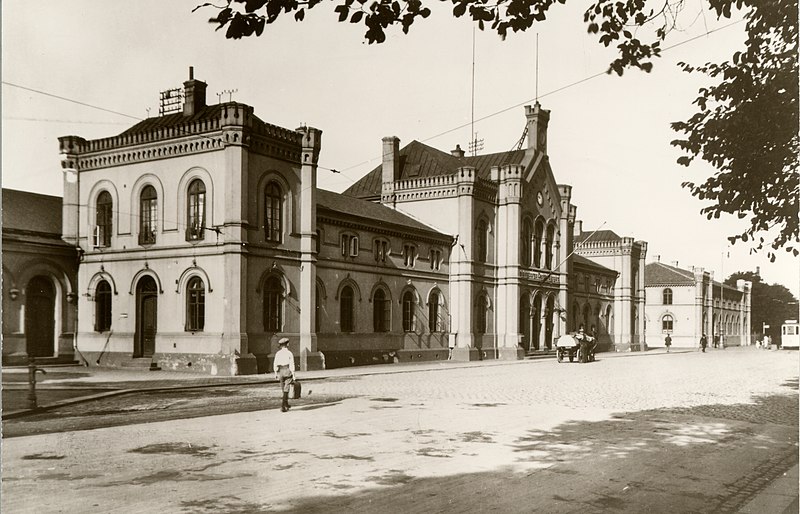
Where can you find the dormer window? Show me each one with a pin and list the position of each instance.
(435, 257)
(349, 245)
(381, 250)
(409, 255)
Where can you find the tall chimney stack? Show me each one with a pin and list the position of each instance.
(194, 94)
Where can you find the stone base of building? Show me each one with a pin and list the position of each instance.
(505, 353)
(468, 354)
(209, 364)
(21, 359)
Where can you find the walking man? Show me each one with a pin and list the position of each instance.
(703, 343)
(284, 370)
(668, 342)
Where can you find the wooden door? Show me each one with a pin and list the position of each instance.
(40, 320)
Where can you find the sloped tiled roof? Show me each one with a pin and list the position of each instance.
(600, 235)
(208, 112)
(420, 160)
(372, 213)
(31, 212)
(660, 274)
(583, 261)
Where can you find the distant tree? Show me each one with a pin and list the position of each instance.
(771, 304)
(747, 122)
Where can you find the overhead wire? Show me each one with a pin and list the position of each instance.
(341, 171)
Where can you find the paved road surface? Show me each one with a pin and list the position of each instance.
(671, 433)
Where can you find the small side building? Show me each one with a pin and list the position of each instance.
(40, 274)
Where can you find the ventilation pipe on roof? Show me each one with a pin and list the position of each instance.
(675, 264)
(457, 152)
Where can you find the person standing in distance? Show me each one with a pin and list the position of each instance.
(668, 342)
(703, 343)
(284, 370)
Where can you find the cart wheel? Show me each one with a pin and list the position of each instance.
(559, 356)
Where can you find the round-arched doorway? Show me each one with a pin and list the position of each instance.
(146, 317)
(40, 317)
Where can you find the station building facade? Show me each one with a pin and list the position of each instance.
(203, 239)
(686, 304)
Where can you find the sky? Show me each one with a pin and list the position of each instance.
(102, 65)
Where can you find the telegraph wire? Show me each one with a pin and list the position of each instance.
(459, 127)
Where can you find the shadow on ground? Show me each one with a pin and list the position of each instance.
(713, 458)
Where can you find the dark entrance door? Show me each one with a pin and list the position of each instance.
(146, 317)
(40, 318)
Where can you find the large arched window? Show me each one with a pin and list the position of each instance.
(537, 243)
(667, 294)
(434, 313)
(408, 311)
(381, 311)
(148, 215)
(273, 212)
(103, 220)
(273, 304)
(195, 304)
(481, 241)
(196, 210)
(102, 306)
(481, 310)
(346, 309)
(526, 245)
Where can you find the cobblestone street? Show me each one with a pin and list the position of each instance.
(681, 432)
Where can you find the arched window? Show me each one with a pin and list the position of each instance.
(103, 220)
(666, 323)
(481, 241)
(381, 311)
(408, 311)
(548, 247)
(537, 243)
(481, 309)
(273, 212)
(102, 306)
(434, 322)
(667, 295)
(346, 309)
(195, 304)
(196, 211)
(273, 304)
(148, 215)
(526, 245)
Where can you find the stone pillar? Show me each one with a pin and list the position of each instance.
(508, 266)
(461, 270)
(310, 358)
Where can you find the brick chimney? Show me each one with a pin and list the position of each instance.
(194, 94)
(457, 152)
(390, 170)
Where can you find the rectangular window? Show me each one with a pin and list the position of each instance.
(149, 217)
(354, 246)
(349, 245)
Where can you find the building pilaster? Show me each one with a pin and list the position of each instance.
(310, 358)
(508, 280)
